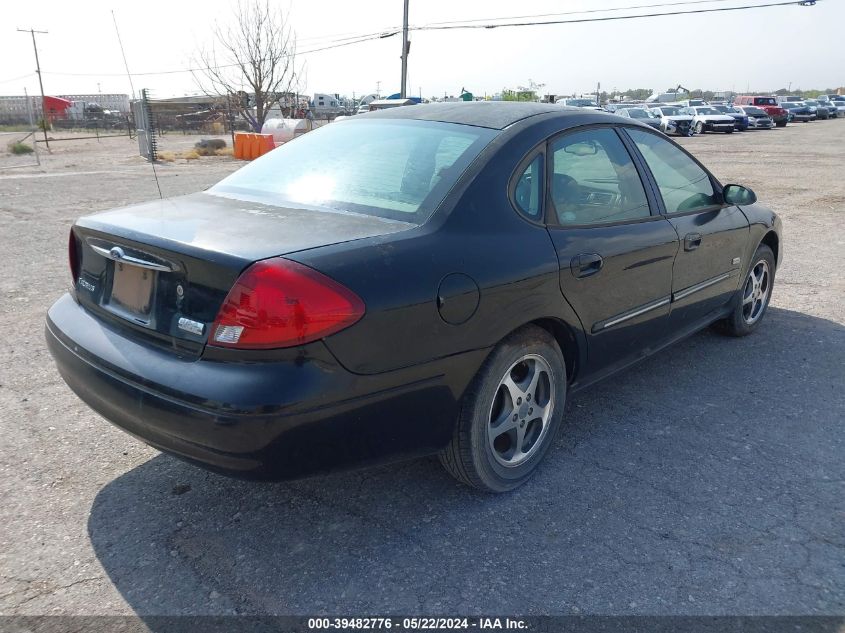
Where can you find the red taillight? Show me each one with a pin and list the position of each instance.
(73, 257)
(280, 303)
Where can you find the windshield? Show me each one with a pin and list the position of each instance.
(811, 103)
(755, 111)
(722, 108)
(580, 103)
(396, 169)
(638, 113)
(671, 111)
(707, 111)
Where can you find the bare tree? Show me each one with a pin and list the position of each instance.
(252, 61)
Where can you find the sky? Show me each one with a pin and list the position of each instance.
(762, 49)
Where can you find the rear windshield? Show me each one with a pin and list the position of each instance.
(396, 169)
(765, 101)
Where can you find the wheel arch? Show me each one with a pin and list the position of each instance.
(771, 240)
(567, 340)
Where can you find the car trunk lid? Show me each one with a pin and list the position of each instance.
(161, 270)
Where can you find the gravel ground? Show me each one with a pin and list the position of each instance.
(706, 480)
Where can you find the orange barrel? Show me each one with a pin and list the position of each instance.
(240, 146)
(265, 143)
(253, 147)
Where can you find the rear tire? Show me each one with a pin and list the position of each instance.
(510, 413)
(752, 299)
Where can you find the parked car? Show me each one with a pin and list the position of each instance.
(822, 110)
(687, 103)
(613, 107)
(778, 114)
(840, 107)
(740, 119)
(642, 115)
(757, 118)
(579, 103)
(673, 121)
(832, 98)
(707, 119)
(798, 111)
(333, 302)
(816, 109)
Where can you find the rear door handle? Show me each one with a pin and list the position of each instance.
(585, 264)
(692, 241)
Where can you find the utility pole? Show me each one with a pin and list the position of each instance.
(40, 83)
(406, 45)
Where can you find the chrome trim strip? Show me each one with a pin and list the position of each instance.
(630, 315)
(128, 259)
(686, 292)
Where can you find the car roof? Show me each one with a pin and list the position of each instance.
(496, 115)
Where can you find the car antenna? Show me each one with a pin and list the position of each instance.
(155, 176)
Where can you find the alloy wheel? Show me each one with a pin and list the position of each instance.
(522, 407)
(756, 291)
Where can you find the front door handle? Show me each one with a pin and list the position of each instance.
(692, 241)
(585, 264)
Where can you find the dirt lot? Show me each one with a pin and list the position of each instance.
(707, 480)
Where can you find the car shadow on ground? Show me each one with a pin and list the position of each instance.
(706, 480)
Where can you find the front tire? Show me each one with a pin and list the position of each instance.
(699, 128)
(510, 413)
(753, 297)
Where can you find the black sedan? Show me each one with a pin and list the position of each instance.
(432, 279)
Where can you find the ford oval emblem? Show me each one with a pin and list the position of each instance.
(116, 252)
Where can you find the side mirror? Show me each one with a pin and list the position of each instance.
(737, 194)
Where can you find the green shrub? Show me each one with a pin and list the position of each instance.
(20, 148)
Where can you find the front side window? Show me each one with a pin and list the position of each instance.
(528, 192)
(397, 169)
(683, 184)
(594, 180)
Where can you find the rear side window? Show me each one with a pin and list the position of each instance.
(594, 180)
(683, 184)
(528, 192)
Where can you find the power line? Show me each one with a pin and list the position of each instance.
(8, 81)
(474, 24)
(614, 17)
(584, 11)
(368, 38)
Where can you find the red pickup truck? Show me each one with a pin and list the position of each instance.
(769, 104)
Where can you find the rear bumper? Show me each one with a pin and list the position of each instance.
(275, 418)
